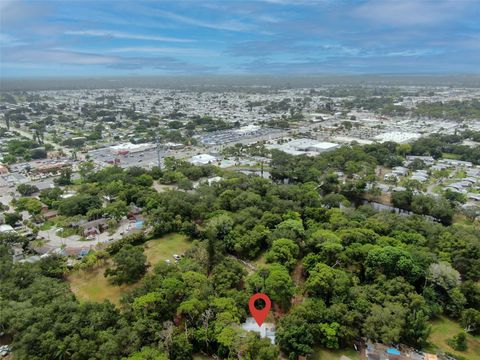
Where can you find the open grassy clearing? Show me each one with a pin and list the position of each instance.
(450, 156)
(163, 187)
(163, 248)
(91, 285)
(326, 354)
(462, 219)
(444, 329)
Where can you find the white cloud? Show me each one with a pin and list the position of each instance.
(57, 56)
(8, 40)
(230, 25)
(268, 18)
(409, 12)
(410, 53)
(27, 57)
(124, 35)
(165, 50)
(14, 12)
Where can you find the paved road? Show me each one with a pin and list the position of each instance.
(431, 186)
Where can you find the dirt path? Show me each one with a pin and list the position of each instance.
(297, 277)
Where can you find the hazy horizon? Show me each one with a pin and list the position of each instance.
(236, 81)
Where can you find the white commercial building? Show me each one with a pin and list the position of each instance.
(132, 148)
(304, 146)
(203, 159)
(348, 140)
(248, 129)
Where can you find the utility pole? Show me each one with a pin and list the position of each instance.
(159, 156)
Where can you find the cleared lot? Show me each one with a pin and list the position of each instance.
(91, 285)
(163, 249)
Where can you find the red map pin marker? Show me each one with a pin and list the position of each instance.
(259, 315)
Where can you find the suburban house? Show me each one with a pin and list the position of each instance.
(91, 228)
(48, 214)
(378, 351)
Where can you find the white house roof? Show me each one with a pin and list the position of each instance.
(5, 228)
(266, 330)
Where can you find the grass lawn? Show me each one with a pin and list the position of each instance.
(162, 249)
(91, 285)
(444, 329)
(461, 219)
(462, 174)
(451, 156)
(67, 232)
(326, 354)
(47, 225)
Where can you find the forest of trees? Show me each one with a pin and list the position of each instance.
(454, 109)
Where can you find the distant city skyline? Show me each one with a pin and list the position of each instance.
(129, 38)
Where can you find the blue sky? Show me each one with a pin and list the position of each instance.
(116, 38)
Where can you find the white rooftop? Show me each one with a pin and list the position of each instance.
(397, 136)
(304, 146)
(348, 139)
(247, 129)
(5, 228)
(130, 146)
(266, 330)
(202, 159)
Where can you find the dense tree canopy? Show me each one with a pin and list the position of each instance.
(334, 273)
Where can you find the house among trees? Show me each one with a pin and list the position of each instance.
(48, 213)
(378, 351)
(94, 227)
(266, 330)
(134, 212)
(91, 228)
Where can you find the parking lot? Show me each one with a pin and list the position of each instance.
(232, 136)
(108, 156)
(146, 158)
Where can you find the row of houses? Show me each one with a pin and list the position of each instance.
(401, 171)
